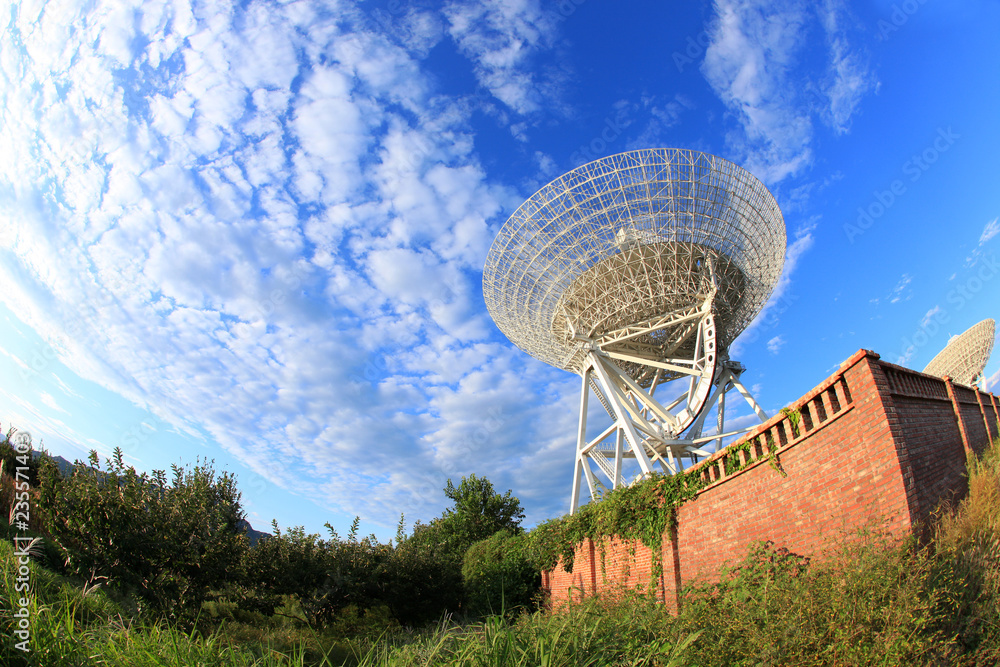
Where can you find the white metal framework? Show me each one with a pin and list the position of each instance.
(637, 271)
(964, 357)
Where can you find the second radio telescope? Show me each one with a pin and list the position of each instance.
(964, 357)
(635, 271)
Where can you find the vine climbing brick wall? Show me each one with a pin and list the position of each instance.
(877, 444)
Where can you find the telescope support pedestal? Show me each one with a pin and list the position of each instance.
(645, 430)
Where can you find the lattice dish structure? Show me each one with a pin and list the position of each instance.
(964, 358)
(638, 271)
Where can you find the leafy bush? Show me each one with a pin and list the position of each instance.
(426, 576)
(423, 578)
(499, 577)
(325, 576)
(169, 542)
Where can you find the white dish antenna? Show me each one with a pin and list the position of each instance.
(636, 271)
(964, 357)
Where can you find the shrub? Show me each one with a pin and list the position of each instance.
(169, 542)
(498, 575)
(423, 578)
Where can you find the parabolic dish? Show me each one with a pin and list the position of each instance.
(964, 357)
(628, 238)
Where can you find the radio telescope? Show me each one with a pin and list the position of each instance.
(637, 271)
(964, 357)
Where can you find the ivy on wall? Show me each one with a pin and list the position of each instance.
(643, 512)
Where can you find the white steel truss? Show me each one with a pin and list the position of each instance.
(643, 429)
(637, 271)
(623, 240)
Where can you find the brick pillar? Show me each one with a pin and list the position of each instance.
(879, 414)
(958, 414)
(982, 411)
(996, 411)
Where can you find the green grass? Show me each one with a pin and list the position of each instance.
(874, 600)
(625, 630)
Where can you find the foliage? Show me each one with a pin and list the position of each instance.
(10, 460)
(794, 417)
(498, 575)
(327, 577)
(870, 599)
(643, 512)
(417, 580)
(423, 580)
(430, 560)
(967, 544)
(874, 600)
(626, 630)
(479, 511)
(170, 542)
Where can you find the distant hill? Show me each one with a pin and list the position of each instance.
(253, 535)
(66, 468)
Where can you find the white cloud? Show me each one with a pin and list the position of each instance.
(27, 370)
(748, 64)
(849, 77)
(929, 316)
(502, 37)
(780, 299)
(991, 229)
(993, 382)
(900, 291)
(246, 255)
(48, 400)
(754, 64)
(775, 344)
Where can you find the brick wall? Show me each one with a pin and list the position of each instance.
(877, 442)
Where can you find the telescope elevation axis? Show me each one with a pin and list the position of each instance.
(964, 357)
(637, 271)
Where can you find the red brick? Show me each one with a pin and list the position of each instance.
(891, 453)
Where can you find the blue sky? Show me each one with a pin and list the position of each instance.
(255, 232)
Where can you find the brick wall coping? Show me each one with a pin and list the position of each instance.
(968, 393)
(713, 467)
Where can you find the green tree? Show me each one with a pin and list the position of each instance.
(429, 561)
(479, 511)
(168, 542)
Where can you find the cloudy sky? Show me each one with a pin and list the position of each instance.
(254, 232)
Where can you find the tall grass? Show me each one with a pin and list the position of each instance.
(73, 624)
(967, 540)
(874, 600)
(626, 629)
